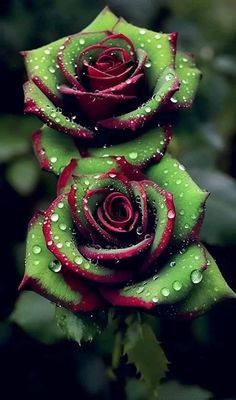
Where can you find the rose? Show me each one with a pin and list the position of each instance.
(115, 236)
(112, 76)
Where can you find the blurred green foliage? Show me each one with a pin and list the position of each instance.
(204, 141)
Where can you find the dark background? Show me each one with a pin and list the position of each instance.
(35, 363)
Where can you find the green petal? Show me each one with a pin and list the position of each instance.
(172, 284)
(189, 199)
(139, 151)
(38, 104)
(189, 77)
(105, 20)
(209, 291)
(42, 62)
(39, 265)
(54, 151)
(157, 46)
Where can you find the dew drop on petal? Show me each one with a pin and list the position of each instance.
(133, 155)
(78, 260)
(171, 214)
(177, 285)
(55, 266)
(196, 276)
(36, 249)
(54, 217)
(165, 292)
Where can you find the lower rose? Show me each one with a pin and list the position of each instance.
(115, 238)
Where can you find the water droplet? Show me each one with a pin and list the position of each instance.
(177, 285)
(155, 299)
(81, 41)
(196, 276)
(63, 227)
(86, 265)
(36, 249)
(53, 160)
(78, 260)
(133, 155)
(142, 31)
(52, 70)
(171, 214)
(173, 100)
(148, 64)
(178, 182)
(86, 182)
(172, 263)
(55, 266)
(60, 205)
(140, 289)
(54, 217)
(47, 51)
(165, 292)
(139, 230)
(148, 109)
(59, 245)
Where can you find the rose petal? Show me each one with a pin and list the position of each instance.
(116, 254)
(189, 199)
(189, 77)
(38, 104)
(170, 286)
(164, 90)
(54, 152)
(163, 209)
(40, 277)
(141, 151)
(97, 105)
(62, 244)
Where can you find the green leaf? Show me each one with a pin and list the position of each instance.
(189, 199)
(79, 327)
(173, 390)
(23, 175)
(146, 353)
(36, 316)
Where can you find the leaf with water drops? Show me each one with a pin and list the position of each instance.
(171, 283)
(45, 274)
(54, 152)
(145, 352)
(189, 199)
(139, 151)
(82, 327)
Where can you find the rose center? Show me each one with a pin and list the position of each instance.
(117, 213)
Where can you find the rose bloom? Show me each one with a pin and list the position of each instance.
(108, 82)
(117, 237)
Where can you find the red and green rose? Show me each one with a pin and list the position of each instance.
(124, 227)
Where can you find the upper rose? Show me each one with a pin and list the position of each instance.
(111, 76)
(119, 237)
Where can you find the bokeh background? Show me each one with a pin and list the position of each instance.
(35, 361)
